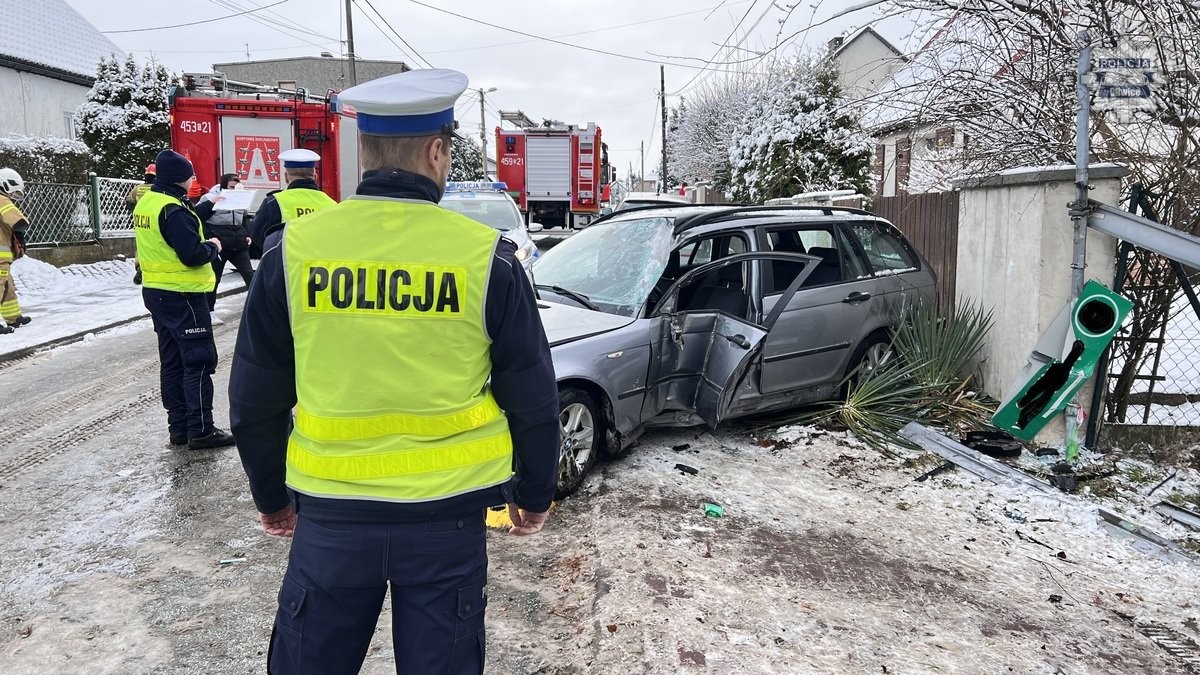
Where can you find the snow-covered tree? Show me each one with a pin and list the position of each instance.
(702, 129)
(125, 120)
(797, 136)
(466, 160)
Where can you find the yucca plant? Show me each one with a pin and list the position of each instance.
(930, 381)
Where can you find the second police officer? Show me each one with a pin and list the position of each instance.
(177, 275)
(301, 196)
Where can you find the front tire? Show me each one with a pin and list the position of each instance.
(580, 434)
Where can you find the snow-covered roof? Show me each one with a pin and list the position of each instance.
(50, 33)
(850, 39)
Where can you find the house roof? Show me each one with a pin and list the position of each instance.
(863, 32)
(50, 38)
(316, 74)
(951, 53)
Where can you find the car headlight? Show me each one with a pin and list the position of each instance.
(526, 252)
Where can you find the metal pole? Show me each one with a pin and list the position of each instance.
(1082, 155)
(350, 43)
(642, 175)
(483, 133)
(94, 197)
(662, 94)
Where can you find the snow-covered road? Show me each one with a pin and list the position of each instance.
(124, 555)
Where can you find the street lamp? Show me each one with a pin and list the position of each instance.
(483, 128)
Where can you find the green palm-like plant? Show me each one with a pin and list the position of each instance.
(930, 381)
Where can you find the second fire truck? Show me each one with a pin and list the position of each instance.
(556, 172)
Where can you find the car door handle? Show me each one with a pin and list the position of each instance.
(739, 340)
(857, 296)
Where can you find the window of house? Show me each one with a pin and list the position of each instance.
(69, 124)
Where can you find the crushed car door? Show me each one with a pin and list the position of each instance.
(705, 345)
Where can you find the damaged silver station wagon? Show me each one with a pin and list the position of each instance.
(679, 316)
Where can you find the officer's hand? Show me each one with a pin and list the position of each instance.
(216, 241)
(279, 524)
(525, 522)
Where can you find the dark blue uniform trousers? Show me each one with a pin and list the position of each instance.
(338, 574)
(187, 359)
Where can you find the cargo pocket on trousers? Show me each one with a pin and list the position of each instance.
(287, 638)
(469, 637)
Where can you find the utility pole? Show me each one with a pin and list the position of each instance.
(642, 175)
(247, 51)
(350, 43)
(483, 128)
(662, 103)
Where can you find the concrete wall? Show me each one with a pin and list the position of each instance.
(33, 105)
(107, 249)
(1014, 256)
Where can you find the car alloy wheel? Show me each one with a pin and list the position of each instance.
(578, 439)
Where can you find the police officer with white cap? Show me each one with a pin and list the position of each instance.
(407, 339)
(301, 196)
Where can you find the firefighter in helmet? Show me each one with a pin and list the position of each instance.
(407, 339)
(136, 192)
(302, 195)
(13, 226)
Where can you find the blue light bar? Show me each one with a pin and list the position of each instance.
(476, 186)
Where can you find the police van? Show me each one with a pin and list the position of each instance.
(489, 203)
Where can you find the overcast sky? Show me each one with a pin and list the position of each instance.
(544, 79)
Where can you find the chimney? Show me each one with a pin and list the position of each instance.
(326, 55)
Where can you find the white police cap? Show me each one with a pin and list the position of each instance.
(299, 158)
(413, 103)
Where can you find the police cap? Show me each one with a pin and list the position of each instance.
(413, 103)
(299, 158)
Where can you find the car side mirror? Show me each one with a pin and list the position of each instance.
(535, 227)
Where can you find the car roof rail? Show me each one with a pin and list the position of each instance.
(651, 207)
(714, 216)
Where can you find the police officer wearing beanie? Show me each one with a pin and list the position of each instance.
(407, 339)
(177, 274)
(302, 195)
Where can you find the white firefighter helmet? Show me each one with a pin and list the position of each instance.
(11, 182)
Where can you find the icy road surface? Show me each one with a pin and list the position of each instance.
(123, 555)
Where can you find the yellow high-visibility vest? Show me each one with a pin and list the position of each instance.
(386, 302)
(161, 267)
(297, 202)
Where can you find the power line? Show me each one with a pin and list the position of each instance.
(190, 23)
(280, 18)
(552, 40)
(725, 44)
(387, 37)
(585, 32)
(291, 33)
(389, 25)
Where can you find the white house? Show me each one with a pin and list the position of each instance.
(864, 61)
(48, 59)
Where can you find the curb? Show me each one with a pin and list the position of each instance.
(24, 352)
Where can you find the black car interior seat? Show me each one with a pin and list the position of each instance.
(829, 270)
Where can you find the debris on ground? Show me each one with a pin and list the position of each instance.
(713, 510)
(684, 468)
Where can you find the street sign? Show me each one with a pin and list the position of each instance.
(1124, 78)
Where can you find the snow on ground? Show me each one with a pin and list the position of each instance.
(77, 298)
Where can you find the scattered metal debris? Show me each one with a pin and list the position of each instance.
(1183, 516)
(230, 561)
(687, 469)
(936, 471)
(1174, 473)
(997, 472)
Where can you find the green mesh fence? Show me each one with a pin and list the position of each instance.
(65, 214)
(116, 211)
(57, 214)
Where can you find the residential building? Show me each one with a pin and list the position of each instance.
(315, 74)
(864, 61)
(48, 59)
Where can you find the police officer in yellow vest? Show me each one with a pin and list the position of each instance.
(408, 341)
(176, 275)
(301, 197)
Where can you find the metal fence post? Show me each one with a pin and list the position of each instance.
(94, 198)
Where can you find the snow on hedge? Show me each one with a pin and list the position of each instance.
(125, 119)
(45, 159)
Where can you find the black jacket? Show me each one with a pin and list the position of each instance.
(228, 226)
(269, 218)
(262, 386)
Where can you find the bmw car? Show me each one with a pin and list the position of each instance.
(690, 315)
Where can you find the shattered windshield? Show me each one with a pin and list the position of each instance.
(614, 264)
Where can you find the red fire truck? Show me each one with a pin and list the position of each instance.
(556, 172)
(231, 127)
